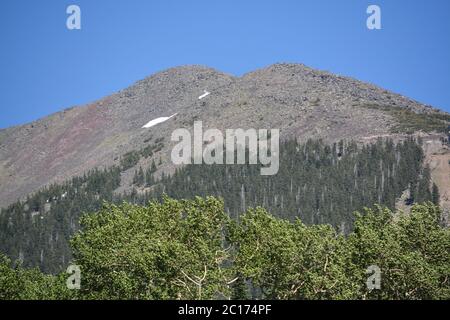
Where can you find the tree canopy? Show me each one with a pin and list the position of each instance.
(191, 249)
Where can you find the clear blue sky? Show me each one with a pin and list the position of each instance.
(45, 68)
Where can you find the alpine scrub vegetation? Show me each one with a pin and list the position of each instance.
(191, 249)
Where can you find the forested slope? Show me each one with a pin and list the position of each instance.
(318, 183)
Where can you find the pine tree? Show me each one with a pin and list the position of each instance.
(435, 196)
(141, 177)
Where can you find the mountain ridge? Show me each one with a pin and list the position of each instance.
(301, 101)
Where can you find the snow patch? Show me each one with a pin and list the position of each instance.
(156, 121)
(205, 94)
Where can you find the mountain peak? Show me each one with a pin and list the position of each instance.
(300, 101)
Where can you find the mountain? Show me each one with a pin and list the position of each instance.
(345, 145)
(302, 102)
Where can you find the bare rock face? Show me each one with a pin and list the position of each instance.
(301, 102)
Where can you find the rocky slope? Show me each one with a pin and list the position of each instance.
(300, 101)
